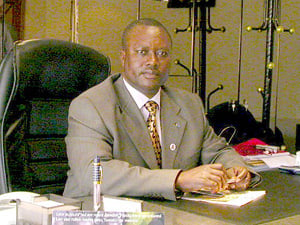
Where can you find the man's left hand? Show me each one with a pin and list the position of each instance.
(241, 178)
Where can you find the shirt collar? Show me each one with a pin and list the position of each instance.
(139, 98)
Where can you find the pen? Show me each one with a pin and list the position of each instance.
(97, 179)
(207, 193)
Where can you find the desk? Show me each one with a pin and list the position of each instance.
(281, 205)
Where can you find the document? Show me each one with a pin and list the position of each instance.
(232, 198)
(276, 162)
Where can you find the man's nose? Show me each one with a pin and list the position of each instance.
(152, 59)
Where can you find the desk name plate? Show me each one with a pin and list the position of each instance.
(105, 218)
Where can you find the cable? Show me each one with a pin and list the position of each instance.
(233, 134)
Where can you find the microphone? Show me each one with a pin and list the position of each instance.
(97, 180)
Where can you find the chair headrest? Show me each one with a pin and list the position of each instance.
(57, 68)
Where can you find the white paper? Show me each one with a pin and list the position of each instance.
(276, 162)
(234, 198)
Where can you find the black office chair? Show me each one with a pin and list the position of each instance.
(38, 79)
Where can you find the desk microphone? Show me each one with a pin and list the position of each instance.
(97, 179)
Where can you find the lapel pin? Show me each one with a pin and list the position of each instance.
(177, 125)
(172, 147)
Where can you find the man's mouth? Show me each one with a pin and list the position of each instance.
(151, 73)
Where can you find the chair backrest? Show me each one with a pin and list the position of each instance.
(38, 79)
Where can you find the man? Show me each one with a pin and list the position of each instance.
(109, 120)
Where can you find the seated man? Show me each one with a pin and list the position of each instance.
(176, 152)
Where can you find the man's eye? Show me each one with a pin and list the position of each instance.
(141, 52)
(162, 53)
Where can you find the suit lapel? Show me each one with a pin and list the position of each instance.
(134, 124)
(173, 126)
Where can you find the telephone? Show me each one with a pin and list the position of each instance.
(8, 205)
(21, 195)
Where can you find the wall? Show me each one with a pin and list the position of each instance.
(102, 22)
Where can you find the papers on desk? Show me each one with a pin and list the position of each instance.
(268, 163)
(277, 161)
(295, 170)
(257, 155)
(234, 198)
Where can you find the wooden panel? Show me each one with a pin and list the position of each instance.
(14, 14)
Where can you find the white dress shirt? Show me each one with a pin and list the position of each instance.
(141, 99)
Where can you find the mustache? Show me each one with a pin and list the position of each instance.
(151, 71)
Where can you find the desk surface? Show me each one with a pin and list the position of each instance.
(281, 201)
(281, 205)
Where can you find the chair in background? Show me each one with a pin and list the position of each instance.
(38, 79)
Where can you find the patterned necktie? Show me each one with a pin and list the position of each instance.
(152, 106)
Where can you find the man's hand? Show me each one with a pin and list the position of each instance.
(241, 177)
(211, 177)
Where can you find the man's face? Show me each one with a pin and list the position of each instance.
(146, 59)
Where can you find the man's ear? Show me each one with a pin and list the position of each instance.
(122, 56)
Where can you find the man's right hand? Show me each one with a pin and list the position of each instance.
(210, 177)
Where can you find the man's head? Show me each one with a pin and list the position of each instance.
(146, 55)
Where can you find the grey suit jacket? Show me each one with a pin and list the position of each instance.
(105, 121)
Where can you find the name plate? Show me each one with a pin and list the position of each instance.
(104, 218)
(121, 204)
